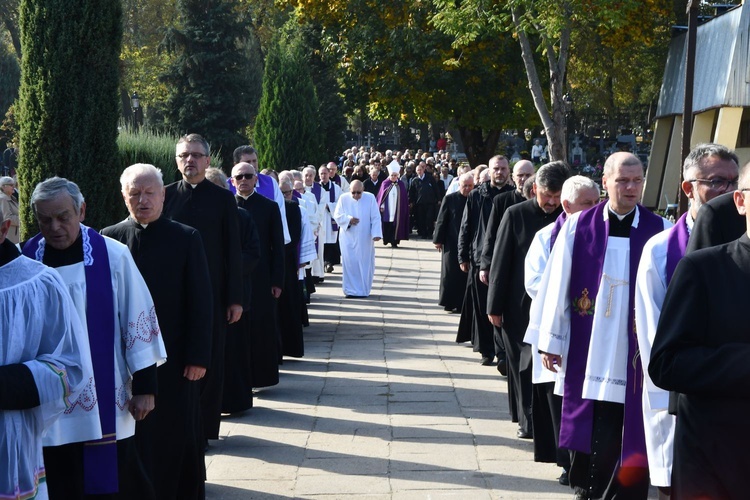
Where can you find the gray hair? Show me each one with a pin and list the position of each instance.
(701, 151)
(309, 168)
(217, 176)
(196, 138)
(465, 177)
(528, 185)
(552, 176)
(140, 170)
(7, 181)
(54, 187)
(575, 185)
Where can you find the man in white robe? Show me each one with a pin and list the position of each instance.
(43, 364)
(329, 195)
(359, 218)
(708, 171)
(317, 221)
(586, 335)
(79, 452)
(578, 193)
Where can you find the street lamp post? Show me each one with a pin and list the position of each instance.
(135, 104)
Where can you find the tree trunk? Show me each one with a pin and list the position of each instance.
(478, 148)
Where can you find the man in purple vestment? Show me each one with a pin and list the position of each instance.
(393, 201)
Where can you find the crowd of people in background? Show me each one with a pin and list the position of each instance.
(546, 278)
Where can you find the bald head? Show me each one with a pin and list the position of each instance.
(244, 178)
(522, 170)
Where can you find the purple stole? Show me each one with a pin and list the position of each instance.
(295, 194)
(100, 456)
(231, 186)
(590, 244)
(316, 190)
(399, 220)
(331, 199)
(676, 245)
(264, 186)
(556, 228)
(336, 179)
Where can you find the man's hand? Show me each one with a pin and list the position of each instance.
(464, 266)
(484, 277)
(376, 238)
(234, 312)
(439, 246)
(382, 209)
(276, 292)
(141, 405)
(193, 372)
(496, 319)
(353, 221)
(551, 361)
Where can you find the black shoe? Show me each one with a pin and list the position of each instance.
(502, 366)
(522, 434)
(486, 361)
(329, 268)
(563, 479)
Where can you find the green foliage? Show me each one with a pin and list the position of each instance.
(206, 80)
(10, 79)
(287, 132)
(68, 102)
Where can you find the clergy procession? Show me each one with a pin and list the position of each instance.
(618, 333)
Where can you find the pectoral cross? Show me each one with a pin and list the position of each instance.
(613, 283)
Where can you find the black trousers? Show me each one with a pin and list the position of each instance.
(599, 474)
(64, 465)
(546, 409)
(481, 335)
(426, 215)
(518, 356)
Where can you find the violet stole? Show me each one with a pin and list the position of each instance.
(556, 228)
(676, 245)
(589, 249)
(100, 456)
(264, 186)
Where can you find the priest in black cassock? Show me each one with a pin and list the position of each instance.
(211, 210)
(507, 301)
(700, 351)
(237, 395)
(291, 301)
(452, 279)
(268, 278)
(470, 241)
(172, 261)
(718, 223)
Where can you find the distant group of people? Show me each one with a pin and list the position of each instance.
(594, 315)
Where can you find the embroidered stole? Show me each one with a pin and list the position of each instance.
(100, 456)
(676, 245)
(592, 233)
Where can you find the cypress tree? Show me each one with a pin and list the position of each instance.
(287, 131)
(208, 94)
(69, 104)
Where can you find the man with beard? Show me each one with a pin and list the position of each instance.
(452, 279)
(474, 323)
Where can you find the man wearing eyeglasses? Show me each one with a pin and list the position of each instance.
(710, 170)
(358, 217)
(700, 351)
(197, 202)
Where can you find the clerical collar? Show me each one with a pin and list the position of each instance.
(193, 185)
(245, 197)
(326, 186)
(619, 225)
(71, 255)
(689, 222)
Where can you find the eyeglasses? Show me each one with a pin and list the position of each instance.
(185, 156)
(247, 177)
(286, 192)
(717, 182)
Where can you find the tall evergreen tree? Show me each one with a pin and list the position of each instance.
(68, 102)
(208, 94)
(10, 76)
(287, 131)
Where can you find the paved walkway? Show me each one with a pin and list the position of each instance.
(384, 405)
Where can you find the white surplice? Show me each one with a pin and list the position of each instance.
(651, 287)
(356, 242)
(534, 265)
(138, 344)
(41, 329)
(605, 374)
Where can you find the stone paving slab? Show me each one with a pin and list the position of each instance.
(384, 406)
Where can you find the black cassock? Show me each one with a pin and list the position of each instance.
(212, 211)
(507, 297)
(718, 223)
(452, 279)
(470, 241)
(500, 204)
(292, 301)
(372, 187)
(238, 390)
(171, 258)
(701, 351)
(265, 340)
